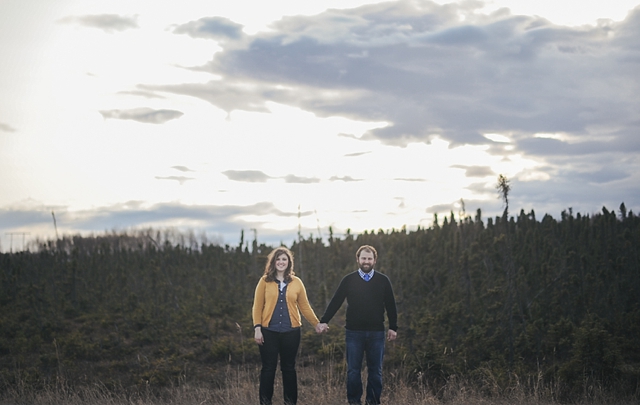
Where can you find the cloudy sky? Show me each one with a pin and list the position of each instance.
(217, 116)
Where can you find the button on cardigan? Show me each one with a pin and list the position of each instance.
(266, 297)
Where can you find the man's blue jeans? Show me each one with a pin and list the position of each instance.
(360, 343)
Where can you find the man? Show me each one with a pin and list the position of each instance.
(368, 294)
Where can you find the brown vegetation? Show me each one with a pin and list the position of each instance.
(318, 384)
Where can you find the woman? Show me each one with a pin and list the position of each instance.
(279, 298)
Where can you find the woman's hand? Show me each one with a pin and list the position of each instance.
(258, 336)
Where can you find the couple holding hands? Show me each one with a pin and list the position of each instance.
(279, 299)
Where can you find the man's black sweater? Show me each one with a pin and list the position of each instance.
(366, 303)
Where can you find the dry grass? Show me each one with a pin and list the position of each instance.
(317, 385)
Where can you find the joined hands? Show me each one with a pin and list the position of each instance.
(322, 327)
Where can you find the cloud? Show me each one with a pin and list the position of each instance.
(401, 204)
(6, 127)
(224, 220)
(107, 22)
(141, 93)
(250, 176)
(255, 176)
(15, 217)
(476, 171)
(145, 115)
(182, 168)
(179, 179)
(483, 188)
(346, 179)
(218, 28)
(587, 144)
(423, 69)
(225, 94)
(290, 178)
(575, 192)
(602, 176)
(429, 74)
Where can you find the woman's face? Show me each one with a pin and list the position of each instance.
(282, 262)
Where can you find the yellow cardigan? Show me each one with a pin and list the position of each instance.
(266, 297)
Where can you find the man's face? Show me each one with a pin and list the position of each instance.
(366, 261)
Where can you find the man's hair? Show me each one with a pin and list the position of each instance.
(270, 266)
(367, 248)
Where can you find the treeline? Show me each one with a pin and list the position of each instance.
(497, 301)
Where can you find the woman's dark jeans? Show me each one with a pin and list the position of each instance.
(286, 346)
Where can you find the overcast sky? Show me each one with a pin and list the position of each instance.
(219, 116)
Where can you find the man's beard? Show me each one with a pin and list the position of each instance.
(366, 267)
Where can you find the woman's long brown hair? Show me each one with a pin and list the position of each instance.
(270, 268)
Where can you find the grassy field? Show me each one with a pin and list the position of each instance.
(317, 385)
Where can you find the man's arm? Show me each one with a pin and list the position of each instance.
(336, 302)
(392, 311)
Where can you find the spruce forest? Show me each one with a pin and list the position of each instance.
(511, 300)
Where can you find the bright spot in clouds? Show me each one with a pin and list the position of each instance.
(497, 138)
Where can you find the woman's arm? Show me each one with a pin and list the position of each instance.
(305, 307)
(258, 302)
